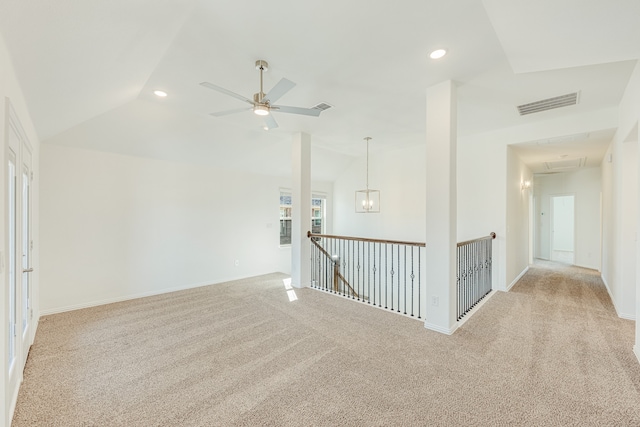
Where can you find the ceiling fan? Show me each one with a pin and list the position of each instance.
(262, 104)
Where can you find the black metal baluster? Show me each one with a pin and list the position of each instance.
(398, 310)
(392, 273)
(374, 274)
(368, 270)
(386, 275)
(419, 280)
(359, 292)
(412, 277)
(380, 275)
(405, 279)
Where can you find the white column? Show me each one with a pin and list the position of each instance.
(441, 212)
(301, 210)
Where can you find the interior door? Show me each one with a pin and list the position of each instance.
(563, 229)
(12, 292)
(18, 246)
(26, 247)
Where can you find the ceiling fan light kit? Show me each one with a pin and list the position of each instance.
(262, 104)
(261, 110)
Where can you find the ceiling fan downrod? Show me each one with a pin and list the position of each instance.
(261, 66)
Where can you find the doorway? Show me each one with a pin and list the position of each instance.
(18, 247)
(563, 228)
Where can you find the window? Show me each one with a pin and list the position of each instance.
(285, 218)
(318, 214)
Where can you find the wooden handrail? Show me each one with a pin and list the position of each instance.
(353, 291)
(491, 235)
(337, 273)
(364, 239)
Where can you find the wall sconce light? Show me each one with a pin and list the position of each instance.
(525, 185)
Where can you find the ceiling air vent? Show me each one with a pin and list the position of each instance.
(566, 164)
(322, 106)
(548, 104)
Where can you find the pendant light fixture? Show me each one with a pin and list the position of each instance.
(368, 201)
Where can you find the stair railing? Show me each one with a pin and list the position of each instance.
(385, 273)
(473, 275)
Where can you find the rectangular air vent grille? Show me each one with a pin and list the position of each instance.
(548, 104)
(322, 106)
(566, 164)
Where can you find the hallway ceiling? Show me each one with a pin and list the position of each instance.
(88, 71)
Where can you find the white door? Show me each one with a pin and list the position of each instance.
(563, 229)
(13, 260)
(26, 246)
(18, 249)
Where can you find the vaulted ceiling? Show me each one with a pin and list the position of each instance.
(88, 70)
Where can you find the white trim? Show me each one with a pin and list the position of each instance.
(522, 273)
(636, 350)
(476, 307)
(133, 296)
(613, 301)
(363, 302)
(438, 328)
(14, 397)
(606, 285)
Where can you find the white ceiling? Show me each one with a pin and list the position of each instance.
(88, 70)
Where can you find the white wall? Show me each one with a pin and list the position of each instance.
(518, 200)
(586, 186)
(116, 227)
(482, 202)
(627, 230)
(609, 250)
(620, 255)
(400, 177)
(10, 88)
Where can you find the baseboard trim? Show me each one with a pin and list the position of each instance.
(636, 350)
(606, 285)
(626, 316)
(132, 297)
(471, 312)
(442, 330)
(522, 273)
(613, 301)
(363, 302)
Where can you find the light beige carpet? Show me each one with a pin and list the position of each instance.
(550, 352)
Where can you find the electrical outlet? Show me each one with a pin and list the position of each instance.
(237, 263)
(435, 301)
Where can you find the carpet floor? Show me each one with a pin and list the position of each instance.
(551, 352)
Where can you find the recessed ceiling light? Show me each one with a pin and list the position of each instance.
(265, 127)
(160, 93)
(437, 54)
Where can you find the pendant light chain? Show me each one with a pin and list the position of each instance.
(367, 139)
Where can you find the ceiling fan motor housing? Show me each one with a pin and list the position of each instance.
(258, 97)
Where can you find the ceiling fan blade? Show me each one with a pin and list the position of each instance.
(283, 86)
(297, 110)
(224, 113)
(225, 91)
(270, 122)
